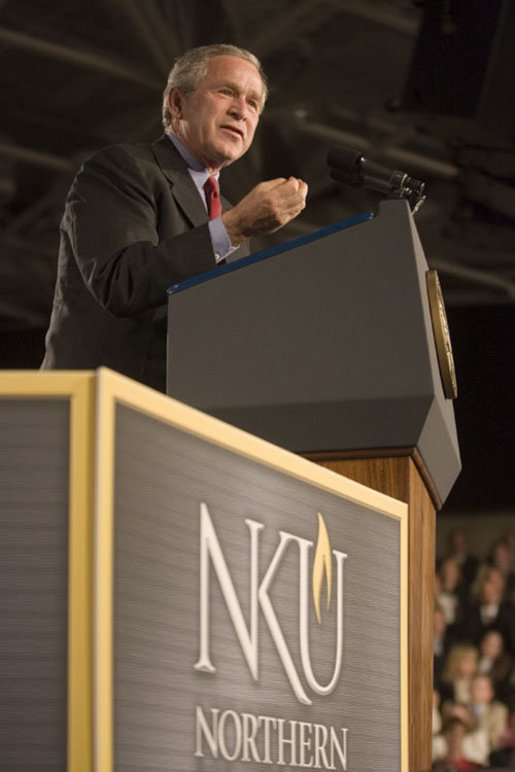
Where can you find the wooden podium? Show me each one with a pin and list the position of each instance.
(330, 346)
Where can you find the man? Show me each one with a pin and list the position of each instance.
(137, 218)
(490, 611)
(457, 548)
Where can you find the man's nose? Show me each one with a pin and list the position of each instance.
(239, 107)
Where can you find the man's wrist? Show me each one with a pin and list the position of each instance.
(232, 225)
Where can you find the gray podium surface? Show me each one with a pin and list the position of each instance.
(324, 347)
(34, 473)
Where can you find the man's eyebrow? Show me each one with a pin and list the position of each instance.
(235, 87)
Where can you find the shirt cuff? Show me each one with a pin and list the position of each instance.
(220, 239)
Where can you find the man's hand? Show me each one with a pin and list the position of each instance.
(267, 207)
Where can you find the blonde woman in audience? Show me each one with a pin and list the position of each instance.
(459, 670)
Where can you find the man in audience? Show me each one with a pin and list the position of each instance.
(457, 548)
(491, 611)
(451, 595)
(443, 639)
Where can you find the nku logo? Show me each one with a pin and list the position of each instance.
(260, 604)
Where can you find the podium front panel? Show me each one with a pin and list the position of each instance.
(225, 549)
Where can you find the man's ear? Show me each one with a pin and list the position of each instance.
(175, 100)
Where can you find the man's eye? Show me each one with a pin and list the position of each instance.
(253, 103)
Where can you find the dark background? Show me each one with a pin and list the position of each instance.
(426, 87)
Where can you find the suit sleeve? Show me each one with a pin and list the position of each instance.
(126, 254)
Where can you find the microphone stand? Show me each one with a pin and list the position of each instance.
(352, 167)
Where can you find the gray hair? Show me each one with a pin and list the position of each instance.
(190, 68)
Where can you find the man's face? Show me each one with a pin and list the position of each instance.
(217, 121)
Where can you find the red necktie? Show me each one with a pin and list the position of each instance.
(214, 205)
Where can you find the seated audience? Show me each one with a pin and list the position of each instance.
(474, 657)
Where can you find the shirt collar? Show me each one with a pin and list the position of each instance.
(196, 168)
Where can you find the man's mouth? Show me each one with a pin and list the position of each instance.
(234, 130)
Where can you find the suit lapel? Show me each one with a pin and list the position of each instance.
(184, 190)
(182, 186)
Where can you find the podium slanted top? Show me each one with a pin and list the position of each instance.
(324, 343)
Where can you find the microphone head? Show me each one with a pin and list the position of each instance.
(345, 164)
(341, 157)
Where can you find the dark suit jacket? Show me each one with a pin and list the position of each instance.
(133, 224)
(504, 623)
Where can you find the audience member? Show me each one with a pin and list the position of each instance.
(502, 558)
(450, 597)
(490, 611)
(490, 714)
(454, 731)
(475, 742)
(457, 548)
(460, 668)
(495, 662)
(443, 638)
(436, 718)
(504, 756)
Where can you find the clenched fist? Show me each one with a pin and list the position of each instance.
(267, 207)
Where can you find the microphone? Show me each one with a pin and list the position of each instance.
(352, 167)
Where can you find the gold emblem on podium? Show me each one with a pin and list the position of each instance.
(441, 335)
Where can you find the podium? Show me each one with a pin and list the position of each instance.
(330, 346)
(178, 594)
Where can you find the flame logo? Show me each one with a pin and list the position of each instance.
(322, 567)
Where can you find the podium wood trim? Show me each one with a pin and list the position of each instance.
(400, 476)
